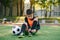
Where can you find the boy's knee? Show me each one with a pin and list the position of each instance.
(24, 23)
(24, 26)
(35, 21)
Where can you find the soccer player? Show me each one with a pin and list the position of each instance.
(31, 24)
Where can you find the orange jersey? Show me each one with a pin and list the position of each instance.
(30, 22)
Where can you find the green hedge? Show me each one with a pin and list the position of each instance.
(14, 19)
(50, 19)
(47, 18)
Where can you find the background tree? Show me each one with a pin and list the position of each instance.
(5, 4)
(47, 5)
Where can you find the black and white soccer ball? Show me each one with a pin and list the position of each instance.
(16, 30)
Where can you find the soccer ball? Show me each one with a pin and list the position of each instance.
(16, 30)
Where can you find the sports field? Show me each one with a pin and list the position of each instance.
(45, 33)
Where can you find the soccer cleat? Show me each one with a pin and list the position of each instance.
(21, 35)
(30, 35)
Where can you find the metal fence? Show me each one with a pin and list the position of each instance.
(41, 13)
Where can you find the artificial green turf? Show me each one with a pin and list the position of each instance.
(45, 33)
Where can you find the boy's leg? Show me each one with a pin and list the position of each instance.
(24, 29)
(35, 27)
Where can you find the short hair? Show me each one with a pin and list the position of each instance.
(29, 11)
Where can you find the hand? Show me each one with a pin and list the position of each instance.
(29, 30)
(34, 30)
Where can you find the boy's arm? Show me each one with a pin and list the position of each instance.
(38, 23)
